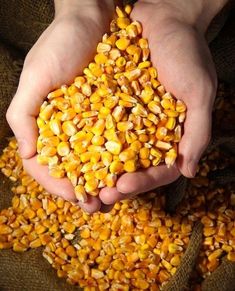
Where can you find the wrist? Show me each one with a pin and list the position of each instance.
(75, 7)
(196, 13)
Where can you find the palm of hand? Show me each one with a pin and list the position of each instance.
(185, 68)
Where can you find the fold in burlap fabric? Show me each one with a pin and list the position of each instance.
(21, 23)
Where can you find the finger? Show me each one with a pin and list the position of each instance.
(146, 180)
(93, 204)
(59, 187)
(109, 196)
(197, 133)
(23, 109)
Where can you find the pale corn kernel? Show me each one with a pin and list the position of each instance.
(55, 126)
(80, 193)
(103, 47)
(114, 147)
(63, 148)
(78, 81)
(69, 128)
(118, 113)
(170, 157)
(56, 172)
(132, 74)
(48, 151)
(163, 145)
(182, 117)
(154, 107)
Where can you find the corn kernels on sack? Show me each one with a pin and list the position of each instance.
(20, 280)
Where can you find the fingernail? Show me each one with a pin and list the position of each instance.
(22, 145)
(192, 168)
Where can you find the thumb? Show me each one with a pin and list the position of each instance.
(22, 112)
(197, 133)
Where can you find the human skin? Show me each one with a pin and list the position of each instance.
(175, 30)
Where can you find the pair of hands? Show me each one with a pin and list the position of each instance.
(179, 52)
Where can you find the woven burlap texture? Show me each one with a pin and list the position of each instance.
(21, 23)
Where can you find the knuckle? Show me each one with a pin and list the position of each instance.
(12, 116)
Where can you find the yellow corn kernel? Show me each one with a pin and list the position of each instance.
(145, 64)
(130, 166)
(5, 229)
(72, 90)
(48, 151)
(123, 22)
(111, 180)
(56, 93)
(101, 58)
(231, 256)
(161, 133)
(128, 9)
(91, 185)
(171, 113)
(116, 167)
(215, 255)
(171, 122)
(124, 126)
(106, 158)
(47, 112)
(97, 72)
(122, 43)
(132, 30)
(143, 43)
(56, 172)
(120, 62)
(180, 106)
(144, 153)
(68, 227)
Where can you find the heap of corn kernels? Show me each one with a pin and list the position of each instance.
(115, 118)
(137, 246)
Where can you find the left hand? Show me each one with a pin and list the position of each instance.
(180, 53)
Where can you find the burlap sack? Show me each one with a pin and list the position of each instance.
(21, 22)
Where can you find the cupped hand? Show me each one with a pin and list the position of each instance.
(180, 53)
(60, 54)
